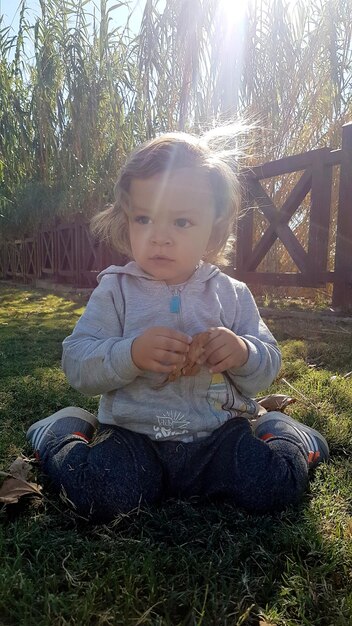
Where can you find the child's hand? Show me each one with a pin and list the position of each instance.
(160, 349)
(224, 350)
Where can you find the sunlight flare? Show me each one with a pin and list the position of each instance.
(233, 11)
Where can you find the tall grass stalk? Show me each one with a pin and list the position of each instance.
(87, 89)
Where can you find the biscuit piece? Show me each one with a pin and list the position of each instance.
(190, 367)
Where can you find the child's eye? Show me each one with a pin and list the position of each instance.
(183, 222)
(142, 219)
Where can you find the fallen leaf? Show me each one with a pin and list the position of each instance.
(12, 489)
(21, 467)
(275, 402)
(16, 482)
(348, 529)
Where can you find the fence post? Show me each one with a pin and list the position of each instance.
(244, 231)
(342, 292)
(2, 259)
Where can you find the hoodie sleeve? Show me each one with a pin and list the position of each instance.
(264, 358)
(96, 358)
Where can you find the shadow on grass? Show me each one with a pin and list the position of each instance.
(174, 564)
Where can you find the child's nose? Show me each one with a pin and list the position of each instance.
(160, 235)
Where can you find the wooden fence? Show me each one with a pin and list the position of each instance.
(66, 252)
(62, 253)
(316, 178)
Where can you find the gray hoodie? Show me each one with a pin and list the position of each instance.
(97, 356)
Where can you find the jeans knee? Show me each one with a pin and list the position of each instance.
(99, 506)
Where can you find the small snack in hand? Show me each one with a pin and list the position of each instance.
(190, 367)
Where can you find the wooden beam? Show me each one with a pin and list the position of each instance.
(283, 231)
(319, 216)
(244, 231)
(278, 226)
(342, 294)
(290, 279)
(293, 163)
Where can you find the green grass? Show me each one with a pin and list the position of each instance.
(186, 563)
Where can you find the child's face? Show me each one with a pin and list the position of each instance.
(170, 223)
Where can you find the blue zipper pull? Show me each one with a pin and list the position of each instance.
(175, 303)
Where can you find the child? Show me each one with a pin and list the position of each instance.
(166, 428)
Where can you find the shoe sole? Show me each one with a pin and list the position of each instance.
(70, 411)
(307, 429)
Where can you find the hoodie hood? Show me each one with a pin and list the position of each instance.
(202, 274)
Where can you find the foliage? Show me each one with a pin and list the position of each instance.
(78, 92)
(185, 563)
(66, 116)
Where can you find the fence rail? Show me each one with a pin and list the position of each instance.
(66, 252)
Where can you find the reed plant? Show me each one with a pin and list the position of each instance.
(79, 88)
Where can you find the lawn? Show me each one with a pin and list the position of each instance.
(186, 563)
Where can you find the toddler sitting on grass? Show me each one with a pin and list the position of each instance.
(173, 421)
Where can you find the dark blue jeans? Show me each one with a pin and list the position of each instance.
(121, 470)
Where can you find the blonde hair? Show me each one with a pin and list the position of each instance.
(212, 154)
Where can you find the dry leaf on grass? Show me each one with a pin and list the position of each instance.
(20, 468)
(275, 402)
(12, 489)
(16, 484)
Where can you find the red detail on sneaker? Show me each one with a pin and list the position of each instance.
(81, 435)
(36, 454)
(313, 457)
(266, 436)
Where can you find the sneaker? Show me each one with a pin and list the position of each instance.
(275, 425)
(71, 420)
